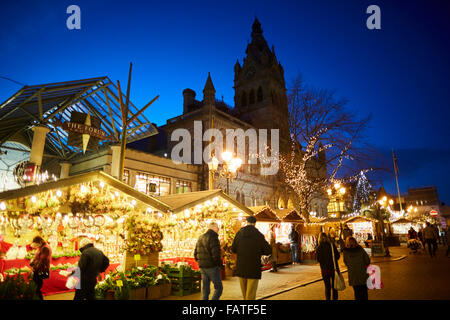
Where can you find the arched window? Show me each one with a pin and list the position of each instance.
(251, 98)
(259, 95)
(243, 99)
(243, 198)
(238, 196)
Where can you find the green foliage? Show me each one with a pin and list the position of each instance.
(18, 287)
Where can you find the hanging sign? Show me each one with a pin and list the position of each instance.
(433, 213)
(84, 131)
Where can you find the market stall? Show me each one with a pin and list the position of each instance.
(92, 205)
(190, 214)
(265, 218)
(309, 234)
(364, 229)
(289, 218)
(400, 228)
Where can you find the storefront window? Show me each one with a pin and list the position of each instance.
(183, 186)
(152, 185)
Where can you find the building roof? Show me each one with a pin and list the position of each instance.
(288, 215)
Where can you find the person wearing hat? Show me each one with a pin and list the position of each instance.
(92, 262)
(249, 245)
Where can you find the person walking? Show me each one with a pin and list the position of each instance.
(249, 245)
(430, 235)
(325, 259)
(448, 242)
(273, 244)
(293, 238)
(40, 263)
(356, 259)
(92, 262)
(208, 255)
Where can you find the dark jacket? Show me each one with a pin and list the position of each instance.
(92, 262)
(249, 245)
(293, 236)
(356, 259)
(42, 259)
(207, 250)
(325, 258)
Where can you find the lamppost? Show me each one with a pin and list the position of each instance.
(229, 168)
(381, 204)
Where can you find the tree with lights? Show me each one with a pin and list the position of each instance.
(324, 136)
(362, 193)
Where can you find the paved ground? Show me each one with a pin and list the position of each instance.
(307, 280)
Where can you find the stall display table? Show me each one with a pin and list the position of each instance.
(56, 283)
(190, 261)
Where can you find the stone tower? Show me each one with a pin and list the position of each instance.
(260, 90)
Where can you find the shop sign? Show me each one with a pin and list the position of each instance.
(433, 213)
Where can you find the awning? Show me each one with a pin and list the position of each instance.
(96, 176)
(402, 220)
(181, 201)
(359, 219)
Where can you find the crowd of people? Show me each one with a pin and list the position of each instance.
(250, 246)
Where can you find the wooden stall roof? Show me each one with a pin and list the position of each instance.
(288, 215)
(181, 201)
(402, 220)
(264, 214)
(358, 219)
(85, 178)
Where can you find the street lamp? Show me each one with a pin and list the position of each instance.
(229, 168)
(337, 194)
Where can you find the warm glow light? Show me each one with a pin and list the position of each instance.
(226, 156)
(102, 184)
(83, 189)
(342, 190)
(3, 206)
(33, 199)
(384, 199)
(58, 193)
(236, 162)
(329, 192)
(391, 202)
(337, 185)
(116, 193)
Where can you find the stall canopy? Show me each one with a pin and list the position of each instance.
(182, 201)
(402, 220)
(84, 179)
(264, 214)
(288, 215)
(50, 104)
(359, 219)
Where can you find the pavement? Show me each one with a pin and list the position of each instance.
(287, 278)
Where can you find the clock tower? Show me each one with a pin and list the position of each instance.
(260, 91)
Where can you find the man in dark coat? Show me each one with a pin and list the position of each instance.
(92, 262)
(249, 245)
(207, 254)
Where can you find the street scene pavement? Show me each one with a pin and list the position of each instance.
(405, 276)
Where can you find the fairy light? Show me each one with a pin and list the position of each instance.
(3, 206)
(33, 199)
(58, 193)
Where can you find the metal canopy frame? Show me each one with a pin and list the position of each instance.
(47, 103)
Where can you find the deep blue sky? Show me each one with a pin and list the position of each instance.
(399, 74)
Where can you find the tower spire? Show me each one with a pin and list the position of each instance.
(209, 92)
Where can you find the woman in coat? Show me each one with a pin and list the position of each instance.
(40, 263)
(356, 259)
(325, 259)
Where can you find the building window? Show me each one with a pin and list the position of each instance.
(251, 99)
(183, 186)
(243, 198)
(152, 185)
(259, 95)
(238, 196)
(244, 99)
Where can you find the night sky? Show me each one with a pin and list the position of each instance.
(399, 74)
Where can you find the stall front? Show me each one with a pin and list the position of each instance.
(401, 227)
(265, 219)
(289, 219)
(93, 205)
(189, 216)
